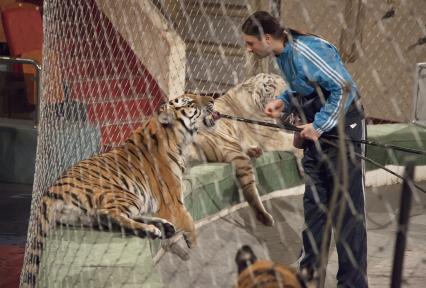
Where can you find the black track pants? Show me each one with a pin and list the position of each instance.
(323, 172)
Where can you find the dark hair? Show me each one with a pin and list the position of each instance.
(260, 23)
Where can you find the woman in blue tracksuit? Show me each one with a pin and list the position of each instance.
(320, 90)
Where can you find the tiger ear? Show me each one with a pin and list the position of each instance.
(162, 107)
(164, 116)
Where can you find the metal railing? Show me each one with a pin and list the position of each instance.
(37, 66)
(419, 97)
(403, 221)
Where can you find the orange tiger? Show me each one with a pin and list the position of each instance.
(117, 189)
(254, 273)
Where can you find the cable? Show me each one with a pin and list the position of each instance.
(288, 126)
(326, 141)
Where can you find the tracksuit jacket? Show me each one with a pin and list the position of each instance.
(307, 60)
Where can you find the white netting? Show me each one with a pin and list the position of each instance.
(108, 64)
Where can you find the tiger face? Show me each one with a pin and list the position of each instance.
(264, 87)
(191, 111)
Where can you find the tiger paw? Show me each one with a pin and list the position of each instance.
(265, 218)
(254, 152)
(167, 228)
(149, 231)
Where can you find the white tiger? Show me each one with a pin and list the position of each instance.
(236, 142)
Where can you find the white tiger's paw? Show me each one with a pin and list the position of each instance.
(265, 218)
(254, 152)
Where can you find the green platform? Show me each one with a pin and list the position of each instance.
(69, 143)
(84, 258)
(211, 187)
(18, 142)
(403, 135)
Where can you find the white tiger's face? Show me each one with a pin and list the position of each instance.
(192, 111)
(266, 87)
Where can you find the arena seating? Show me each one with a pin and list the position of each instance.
(23, 30)
(100, 66)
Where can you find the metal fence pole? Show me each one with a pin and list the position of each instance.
(402, 229)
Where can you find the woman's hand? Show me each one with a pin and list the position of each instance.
(274, 108)
(308, 132)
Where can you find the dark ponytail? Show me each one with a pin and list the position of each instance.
(261, 22)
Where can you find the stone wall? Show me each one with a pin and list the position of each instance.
(158, 47)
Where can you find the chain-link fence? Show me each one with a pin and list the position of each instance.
(107, 65)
